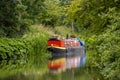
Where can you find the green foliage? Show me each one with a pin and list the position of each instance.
(39, 49)
(34, 9)
(99, 21)
(63, 30)
(14, 48)
(11, 18)
(65, 2)
(17, 15)
(24, 48)
(106, 48)
(85, 14)
(52, 14)
(27, 56)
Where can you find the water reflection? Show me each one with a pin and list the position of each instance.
(21, 70)
(60, 68)
(10, 67)
(62, 63)
(66, 65)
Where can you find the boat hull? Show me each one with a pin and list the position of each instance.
(71, 51)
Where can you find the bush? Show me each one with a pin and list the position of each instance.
(105, 54)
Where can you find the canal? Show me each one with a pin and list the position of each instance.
(60, 68)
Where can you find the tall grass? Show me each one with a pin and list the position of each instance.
(38, 30)
(63, 30)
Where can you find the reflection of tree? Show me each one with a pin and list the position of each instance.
(51, 76)
(68, 75)
(9, 68)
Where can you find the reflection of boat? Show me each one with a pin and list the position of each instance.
(65, 47)
(74, 62)
(63, 63)
(57, 63)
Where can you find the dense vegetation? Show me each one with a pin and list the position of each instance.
(101, 27)
(97, 22)
(25, 53)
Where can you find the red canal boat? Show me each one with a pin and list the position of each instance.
(64, 47)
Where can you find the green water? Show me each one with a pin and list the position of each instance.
(21, 70)
(35, 70)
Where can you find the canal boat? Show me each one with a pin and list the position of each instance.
(66, 47)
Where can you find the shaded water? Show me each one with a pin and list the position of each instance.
(21, 70)
(34, 70)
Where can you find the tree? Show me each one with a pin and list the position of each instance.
(52, 14)
(17, 15)
(11, 13)
(34, 9)
(65, 2)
